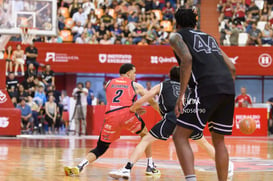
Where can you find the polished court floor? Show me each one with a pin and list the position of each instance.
(40, 158)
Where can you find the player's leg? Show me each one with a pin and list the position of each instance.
(184, 152)
(204, 144)
(221, 156)
(93, 155)
(221, 124)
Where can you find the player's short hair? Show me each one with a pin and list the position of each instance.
(185, 18)
(175, 73)
(126, 68)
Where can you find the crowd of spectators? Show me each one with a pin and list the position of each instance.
(140, 22)
(246, 22)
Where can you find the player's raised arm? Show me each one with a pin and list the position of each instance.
(142, 92)
(182, 51)
(148, 96)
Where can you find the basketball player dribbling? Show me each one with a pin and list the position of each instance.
(168, 92)
(120, 94)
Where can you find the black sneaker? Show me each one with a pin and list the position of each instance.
(152, 171)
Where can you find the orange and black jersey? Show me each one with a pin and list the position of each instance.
(120, 93)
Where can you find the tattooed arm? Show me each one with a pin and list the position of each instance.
(182, 51)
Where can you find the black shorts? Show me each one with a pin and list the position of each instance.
(217, 110)
(164, 128)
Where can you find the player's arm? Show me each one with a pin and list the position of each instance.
(229, 64)
(141, 91)
(183, 53)
(148, 96)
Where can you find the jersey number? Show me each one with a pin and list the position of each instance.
(118, 94)
(208, 46)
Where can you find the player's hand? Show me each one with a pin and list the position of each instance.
(141, 111)
(179, 106)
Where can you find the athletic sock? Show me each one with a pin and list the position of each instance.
(150, 162)
(190, 178)
(82, 164)
(129, 165)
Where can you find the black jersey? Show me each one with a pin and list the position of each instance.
(210, 74)
(169, 92)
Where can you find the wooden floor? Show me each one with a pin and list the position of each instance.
(43, 157)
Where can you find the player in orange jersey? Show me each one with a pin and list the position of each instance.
(120, 94)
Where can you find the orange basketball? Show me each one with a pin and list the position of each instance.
(247, 125)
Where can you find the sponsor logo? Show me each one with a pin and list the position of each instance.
(159, 59)
(256, 117)
(3, 97)
(59, 57)
(4, 122)
(265, 60)
(234, 59)
(115, 58)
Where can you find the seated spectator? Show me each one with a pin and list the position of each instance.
(30, 71)
(143, 42)
(106, 40)
(240, 12)
(77, 30)
(162, 35)
(168, 12)
(138, 34)
(22, 94)
(48, 76)
(253, 11)
(116, 32)
(125, 34)
(26, 115)
(227, 11)
(9, 61)
(267, 35)
(50, 113)
(254, 35)
(234, 34)
(88, 6)
(225, 31)
(29, 85)
(61, 21)
(265, 12)
(35, 109)
(93, 40)
(92, 17)
(40, 95)
(120, 19)
(107, 20)
(11, 82)
(90, 30)
(133, 18)
(13, 93)
(80, 16)
(101, 32)
(74, 7)
(84, 38)
(243, 99)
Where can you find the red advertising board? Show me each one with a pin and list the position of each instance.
(10, 123)
(86, 58)
(151, 117)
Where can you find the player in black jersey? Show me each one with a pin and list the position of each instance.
(168, 92)
(209, 74)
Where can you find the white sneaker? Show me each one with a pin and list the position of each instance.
(230, 169)
(121, 173)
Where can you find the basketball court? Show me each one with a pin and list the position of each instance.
(43, 157)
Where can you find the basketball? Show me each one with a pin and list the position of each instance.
(247, 125)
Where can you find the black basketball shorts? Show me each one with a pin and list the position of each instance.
(164, 128)
(216, 110)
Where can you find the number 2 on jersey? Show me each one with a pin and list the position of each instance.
(118, 94)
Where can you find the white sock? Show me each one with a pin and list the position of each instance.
(150, 162)
(83, 163)
(190, 178)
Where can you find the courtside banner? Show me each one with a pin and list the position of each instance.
(84, 58)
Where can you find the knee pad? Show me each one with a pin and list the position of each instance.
(101, 148)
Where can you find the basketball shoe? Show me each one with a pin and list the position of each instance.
(152, 170)
(72, 171)
(121, 173)
(230, 169)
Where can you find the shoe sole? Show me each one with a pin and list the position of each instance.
(115, 176)
(75, 171)
(67, 171)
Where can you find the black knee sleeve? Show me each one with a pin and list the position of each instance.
(101, 148)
